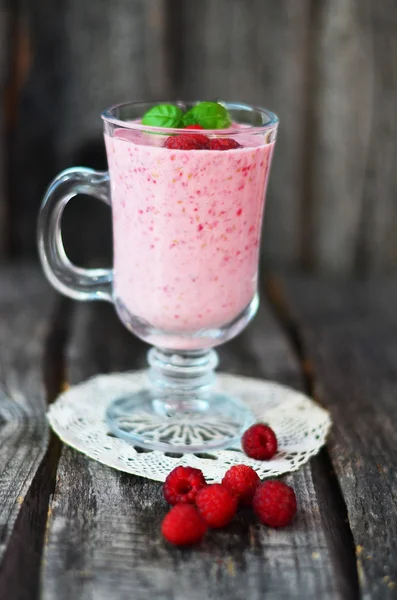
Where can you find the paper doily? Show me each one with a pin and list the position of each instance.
(301, 427)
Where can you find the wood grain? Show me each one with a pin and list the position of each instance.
(255, 52)
(25, 303)
(103, 532)
(349, 332)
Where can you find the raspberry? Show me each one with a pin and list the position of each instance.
(182, 485)
(194, 141)
(216, 505)
(260, 442)
(274, 503)
(242, 481)
(223, 144)
(195, 126)
(183, 525)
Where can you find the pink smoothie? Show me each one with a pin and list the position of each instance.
(186, 227)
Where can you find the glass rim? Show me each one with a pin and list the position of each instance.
(108, 116)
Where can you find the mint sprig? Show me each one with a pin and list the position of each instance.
(209, 115)
(163, 115)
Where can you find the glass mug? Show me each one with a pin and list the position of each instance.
(186, 235)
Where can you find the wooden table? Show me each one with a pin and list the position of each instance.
(71, 528)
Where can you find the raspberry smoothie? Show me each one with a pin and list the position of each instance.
(186, 226)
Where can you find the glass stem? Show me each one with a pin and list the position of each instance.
(181, 380)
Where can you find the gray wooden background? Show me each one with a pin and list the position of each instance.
(328, 68)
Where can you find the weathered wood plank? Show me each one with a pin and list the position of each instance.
(25, 302)
(339, 127)
(349, 332)
(255, 52)
(103, 533)
(5, 24)
(86, 56)
(380, 183)
(353, 130)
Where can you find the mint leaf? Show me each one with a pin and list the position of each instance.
(163, 115)
(209, 115)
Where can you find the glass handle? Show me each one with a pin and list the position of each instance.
(76, 282)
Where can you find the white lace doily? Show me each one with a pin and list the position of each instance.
(301, 427)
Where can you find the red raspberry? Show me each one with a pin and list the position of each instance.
(195, 126)
(242, 481)
(182, 485)
(275, 503)
(194, 141)
(223, 144)
(216, 505)
(260, 442)
(183, 525)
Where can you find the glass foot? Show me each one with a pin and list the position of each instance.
(201, 425)
(179, 412)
